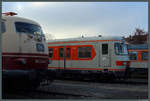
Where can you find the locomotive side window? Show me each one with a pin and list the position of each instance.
(68, 53)
(61, 52)
(3, 27)
(28, 28)
(104, 49)
(84, 52)
(133, 55)
(144, 55)
(50, 52)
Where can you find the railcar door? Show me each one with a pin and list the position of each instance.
(64, 57)
(105, 55)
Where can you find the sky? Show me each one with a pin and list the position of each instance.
(73, 19)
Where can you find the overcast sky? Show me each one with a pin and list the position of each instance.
(74, 19)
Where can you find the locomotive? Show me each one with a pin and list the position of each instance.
(90, 57)
(24, 52)
(138, 55)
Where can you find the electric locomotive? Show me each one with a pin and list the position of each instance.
(96, 57)
(24, 52)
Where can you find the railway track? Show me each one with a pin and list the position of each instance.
(131, 81)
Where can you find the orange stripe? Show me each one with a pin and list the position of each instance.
(73, 52)
(81, 41)
(110, 69)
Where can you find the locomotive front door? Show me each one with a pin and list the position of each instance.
(64, 57)
(104, 57)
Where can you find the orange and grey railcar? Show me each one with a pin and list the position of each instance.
(24, 51)
(89, 55)
(138, 55)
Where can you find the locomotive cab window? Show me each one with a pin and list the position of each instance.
(3, 28)
(133, 55)
(144, 55)
(104, 49)
(84, 52)
(50, 52)
(24, 27)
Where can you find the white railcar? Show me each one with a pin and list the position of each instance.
(89, 55)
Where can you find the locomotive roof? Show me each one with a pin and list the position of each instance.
(21, 19)
(86, 39)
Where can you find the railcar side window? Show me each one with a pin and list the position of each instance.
(61, 52)
(133, 55)
(3, 27)
(84, 52)
(68, 53)
(104, 49)
(28, 28)
(50, 52)
(144, 55)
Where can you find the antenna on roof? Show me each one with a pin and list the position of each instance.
(9, 13)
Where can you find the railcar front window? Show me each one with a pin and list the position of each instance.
(121, 49)
(23, 27)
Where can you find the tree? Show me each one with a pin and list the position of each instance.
(138, 37)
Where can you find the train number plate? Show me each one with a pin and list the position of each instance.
(40, 47)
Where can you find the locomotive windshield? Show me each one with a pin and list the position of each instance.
(24, 27)
(121, 49)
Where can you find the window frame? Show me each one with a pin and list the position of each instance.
(3, 27)
(42, 34)
(83, 49)
(105, 47)
(61, 54)
(50, 53)
(68, 56)
(142, 56)
(122, 47)
(135, 53)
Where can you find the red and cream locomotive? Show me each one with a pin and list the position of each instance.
(24, 52)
